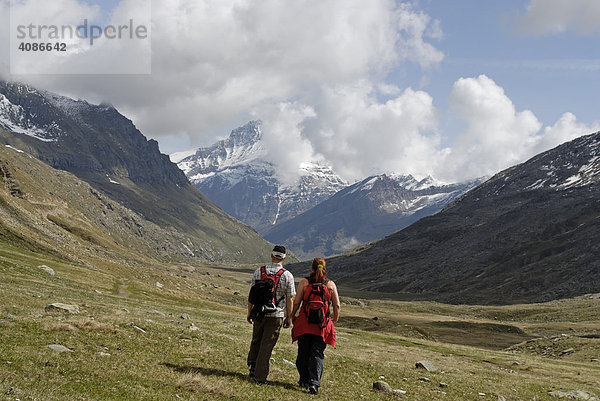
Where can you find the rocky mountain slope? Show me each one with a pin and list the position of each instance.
(236, 174)
(528, 234)
(365, 211)
(103, 148)
(50, 211)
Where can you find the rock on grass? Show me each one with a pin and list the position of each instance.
(574, 395)
(382, 386)
(47, 269)
(427, 365)
(59, 348)
(60, 307)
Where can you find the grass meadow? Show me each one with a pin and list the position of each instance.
(177, 332)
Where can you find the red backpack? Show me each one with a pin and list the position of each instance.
(316, 303)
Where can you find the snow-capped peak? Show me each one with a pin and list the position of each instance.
(13, 118)
(241, 147)
(236, 173)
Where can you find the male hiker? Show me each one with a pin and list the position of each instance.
(272, 288)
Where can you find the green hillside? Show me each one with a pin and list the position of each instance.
(177, 332)
(53, 211)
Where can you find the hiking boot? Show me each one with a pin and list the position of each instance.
(313, 390)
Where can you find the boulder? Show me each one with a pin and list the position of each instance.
(574, 395)
(59, 348)
(427, 365)
(380, 385)
(57, 306)
(47, 269)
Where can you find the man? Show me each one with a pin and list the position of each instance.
(266, 330)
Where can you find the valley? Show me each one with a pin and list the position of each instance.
(121, 281)
(187, 339)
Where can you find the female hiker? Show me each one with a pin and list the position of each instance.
(313, 327)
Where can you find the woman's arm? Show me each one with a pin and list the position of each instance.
(299, 296)
(335, 300)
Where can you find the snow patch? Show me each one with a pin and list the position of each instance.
(278, 210)
(365, 186)
(187, 248)
(588, 173)
(18, 150)
(536, 185)
(410, 206)
(13, 118)
(179, 156)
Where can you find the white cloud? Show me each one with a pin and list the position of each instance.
(284, 142)
(360, 135)
(4, 42)
(413, 26)
(557, 16)
(214, 62)
(497, 135)
(347, 127)
(314, 72)
(565, 129)
(42, 21)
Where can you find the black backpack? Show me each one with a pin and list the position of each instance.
(263, 294)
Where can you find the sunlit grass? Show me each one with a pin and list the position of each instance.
(133, 340)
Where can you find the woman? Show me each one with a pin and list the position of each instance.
(313, 327)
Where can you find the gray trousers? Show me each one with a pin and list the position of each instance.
(264, 337)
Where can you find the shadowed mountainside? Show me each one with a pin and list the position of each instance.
(528, 234)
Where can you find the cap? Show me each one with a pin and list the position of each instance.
(278, 252)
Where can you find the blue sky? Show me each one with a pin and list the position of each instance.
(549, 74)
(453, 89)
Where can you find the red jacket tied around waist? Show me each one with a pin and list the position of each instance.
(314, 317)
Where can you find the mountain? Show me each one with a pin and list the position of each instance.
(105, 149)
(52, 212)
(235, 173)
(365, 211)
(529, 234)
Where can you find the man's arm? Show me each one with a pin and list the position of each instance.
(248, 315)
(250, 306)
(289, 301)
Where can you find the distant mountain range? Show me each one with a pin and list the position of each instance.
(235, 173)
(529, 234)
(103, 148)
(365, 211)
(318, 215)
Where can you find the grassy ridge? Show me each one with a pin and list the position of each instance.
(154, 355)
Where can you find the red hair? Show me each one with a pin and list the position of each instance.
(318, 274)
